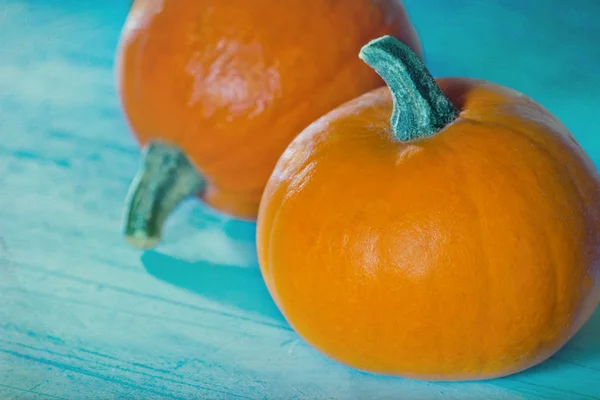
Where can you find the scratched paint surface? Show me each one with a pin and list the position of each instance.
(82, 316)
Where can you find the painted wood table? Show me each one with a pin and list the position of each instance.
(83, 316)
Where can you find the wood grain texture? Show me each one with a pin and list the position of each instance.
(83, 316)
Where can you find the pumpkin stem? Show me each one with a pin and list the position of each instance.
(164, 179)
(420, 107)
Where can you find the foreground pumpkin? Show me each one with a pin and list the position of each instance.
(459, 241)
(215, 90)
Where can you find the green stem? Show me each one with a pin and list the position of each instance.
(420, 107)
(164, 179)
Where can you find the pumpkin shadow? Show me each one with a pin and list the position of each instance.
(582, 351)
(242, 288)
(586, 343)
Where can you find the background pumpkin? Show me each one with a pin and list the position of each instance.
(221, 87)
(460, 240)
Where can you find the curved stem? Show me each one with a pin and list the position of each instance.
(420, 107)
(164, 179)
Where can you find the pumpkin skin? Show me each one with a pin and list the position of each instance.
(469, 254)
(232, 82)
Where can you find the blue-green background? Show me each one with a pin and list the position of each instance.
(83, 316)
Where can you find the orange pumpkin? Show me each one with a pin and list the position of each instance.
(459, 241)
(215, 90)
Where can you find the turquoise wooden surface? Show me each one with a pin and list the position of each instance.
(82, 316)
